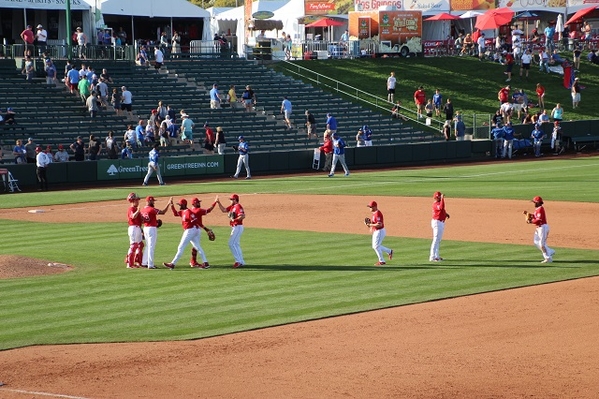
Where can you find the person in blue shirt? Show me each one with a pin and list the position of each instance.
(549, 33)
(244, 158)
(286, 109)
(556, 59)
(508, 140)
(498, 134)
(331, 123)
(214, 97)
(338, 155)
(367, 136)
(438, 102)
(537, 136)
(19, 152)
(140, 132)
(127, 152)
(153, 165)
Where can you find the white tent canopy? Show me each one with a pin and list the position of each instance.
(152, 8)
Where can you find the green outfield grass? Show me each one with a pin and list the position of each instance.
(291, 276)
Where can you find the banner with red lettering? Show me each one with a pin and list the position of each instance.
(323, 7)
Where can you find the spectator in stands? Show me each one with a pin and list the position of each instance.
(79, 149)
(420, 101)
(526, 118)
(249, 98)
(446, 130)
(171, 112)
(19, 152)
(164, 43)
(140, 131)
(459, 43)
(158, 58)
(127, 101)
(543, 118)
(214, 97)
(149, 137)
(104, 75)
(209, 139)
(187, 129)
(438, 102)
(555, 138)
(72, 80)
(28, 69)
(84, 89)
(327, 149)
(556, 59)
(130, 137)
(10, 117)
(115, 100)
(331, 124)
(549, 33)
(81, 39)
(41, 38)
(161, 112)
(176, 45)
(220, 141)
(508, 140)
(459, 127)
(142, 57)
(112, 147)
(30, 147)
(94, 147)
(467, 45)
(520, 101)
(448, 109)
(507, 110)
(593, 57)
(557, 113)
(396, 111)
(575, 91)
(50, 73)
(587, 30)
(360, 138)
(509, 64)
(286, 110)
(28, 39)
(540, 95)
(231, 97)
(127, 151)
(497, 119)
(481, 46)
(576, 57)
(91, 103)
(526, 61)
(61, 155)
(543, 61)
(310, 125)
(429, 108)
(163, 131)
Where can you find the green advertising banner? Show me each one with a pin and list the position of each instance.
(115, 169)
(194, 165)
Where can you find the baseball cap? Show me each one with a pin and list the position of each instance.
(234, 197)
(39, 26)
(38, 149)
(195, 199)
(537, 199)
(150, 198)
(61, 147)
(206, 124)
(132, 197)
(154, 111)
(437, 194)
(182, 202)
(48, 147)
(9, 109)
(240, 138)
(372, 204)
(30, 139)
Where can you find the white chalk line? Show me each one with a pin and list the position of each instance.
(54, 395)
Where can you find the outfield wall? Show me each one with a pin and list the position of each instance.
(105, 171)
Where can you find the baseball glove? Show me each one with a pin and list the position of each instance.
(528, 217)
(158, 223)
(367, 221)
(211, 235)
(232, 215)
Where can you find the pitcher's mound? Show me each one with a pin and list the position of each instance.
(12, 266)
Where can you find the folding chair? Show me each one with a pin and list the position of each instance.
(12, 183)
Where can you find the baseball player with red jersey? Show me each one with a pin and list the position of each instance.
(539, 219)
(199, 212)
(438, 225)
(377, 227)
(236, 215)
(136, 244)
(191, 232)
(148, 217)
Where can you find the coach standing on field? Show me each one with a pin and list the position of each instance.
(42, 162)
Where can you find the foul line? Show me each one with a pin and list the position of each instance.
(54, 395)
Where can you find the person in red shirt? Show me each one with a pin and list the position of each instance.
(209, 139)
(327, 149)
(150, 222)
(236, 216)
(504, 95)
(420, 100)
(509, 64)
(191, 233)
(377, 227)
(136, 244)
(199, 212)
(539, 219)
(541, 95)
(28, 38)
(438, 225)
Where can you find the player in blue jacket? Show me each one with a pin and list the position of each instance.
(508, 140)
(537, 137)
(498, 135)
(338, 155)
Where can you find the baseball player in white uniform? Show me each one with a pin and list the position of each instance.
(150, 222)
(377, 227)
(236, 216)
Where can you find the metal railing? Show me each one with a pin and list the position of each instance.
(376, 102)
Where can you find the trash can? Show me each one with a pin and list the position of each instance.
(570, 44)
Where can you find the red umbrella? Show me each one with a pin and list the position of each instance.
(324, 23)
(443, 17)
(493, 19)
(580, 13)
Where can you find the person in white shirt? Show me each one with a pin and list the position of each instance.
(41, 38)
(126, 101)
(158, 58)
(41, 161)
(61, 155)
(391, 81)
(481, 46)
(526, 61)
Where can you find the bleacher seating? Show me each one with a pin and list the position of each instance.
(53, 116)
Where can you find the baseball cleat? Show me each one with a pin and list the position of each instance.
(151, 267)
(133, 267)
(330, 175)
(548, 260)
(435, 259)
(237, 265)
(380, 263)
(195, 264)
(391, 255)
(204, 265)
(169, 265)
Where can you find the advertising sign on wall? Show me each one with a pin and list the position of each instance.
(323, 7)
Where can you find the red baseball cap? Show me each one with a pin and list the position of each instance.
(150, 198)
(234, 197)
(60, 147)
(195, 199)
(437, 194)
(372, 204)
(182, 202)
(537, 199)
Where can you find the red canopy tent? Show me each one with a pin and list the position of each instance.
(579, 14)
(495, 18)
(324, 23)
(443, 17)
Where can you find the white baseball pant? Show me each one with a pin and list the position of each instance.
(234, 245)
(189, 236)
(151, 235)
(151, 169)
(341, 159)
(438, 229)
(540, 240)
(377, 243)
(245, 161)
(508, 145)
